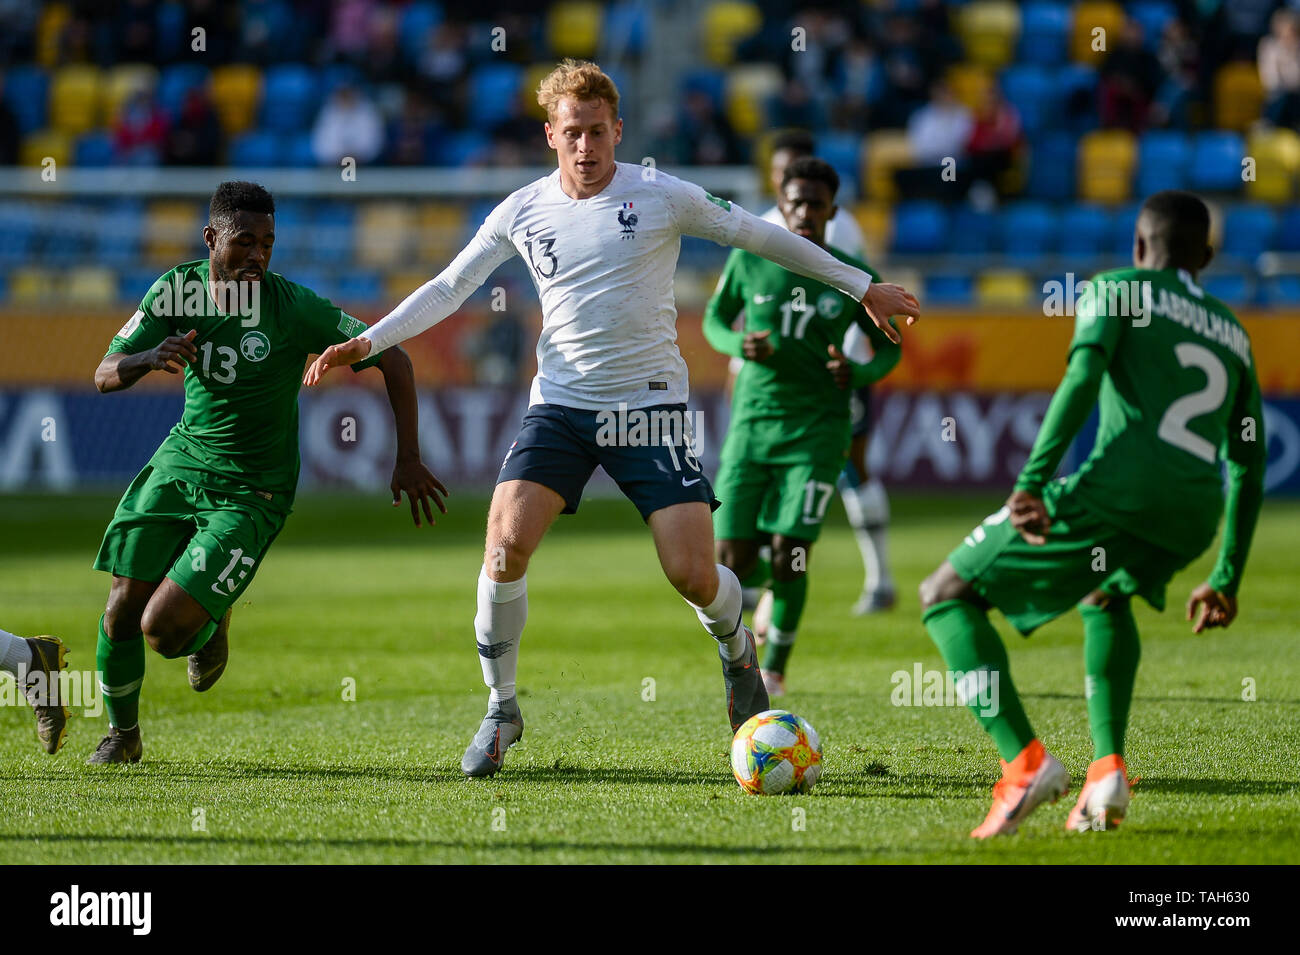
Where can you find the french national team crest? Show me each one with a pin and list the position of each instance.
(254, 346)
(627, 219)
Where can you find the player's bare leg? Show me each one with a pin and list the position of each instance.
(35, 663)
(518, 518)
(683, 535)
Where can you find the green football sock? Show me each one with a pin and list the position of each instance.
(1111, 650)
(121, 671)
(197, 642)
(760, 576)
(788, 599)
(777, 650)
(968, 642)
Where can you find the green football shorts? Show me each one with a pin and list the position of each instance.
(786, 499)
(1032, 584)
(210, 543)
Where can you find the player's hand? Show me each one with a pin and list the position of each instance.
(420, 486)
(839, 366)
(884, 300)
(1215, 609)
(757, 346)
(1029, 517)
(177, 348)
(348, 353)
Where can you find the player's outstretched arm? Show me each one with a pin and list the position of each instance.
(409, 473)
(120, 370)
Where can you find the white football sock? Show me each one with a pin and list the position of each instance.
(867, 507)
(498, 625)
(722, 617)
(14, 652)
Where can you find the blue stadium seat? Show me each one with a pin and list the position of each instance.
(460, 148)
(712, 82)
(1249, 230)
(135, 281)
(290, 98)
(1164, 159)
(257, 149)
(1152, 15)
(494, 89)
(120, 234)
(1216, 162)
(1123, 221)
(920, 227)
(949, 290)
(1044, 29)
(1234, 290)
(1283, 290)
(329, 78)
(176, 81)
(360, 286)
(972, 232)
(27, 89)
(1076, 95)
(298, 151)
(1029, 229)
(1288, 232)
(170, 36)
(17, 233)
(843, 151)
(332, 227)
(626, 26)
(93, 149)
(1030, 89)
(318, 280)
(414, 26)
(1052, 169)
(1085, 229)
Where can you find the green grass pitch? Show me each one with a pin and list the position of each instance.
(274, 765)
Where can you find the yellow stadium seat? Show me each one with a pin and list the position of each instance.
(876, 219)
(403, 282)
(438, 237)
(173, 231)
(236, 93)
(725, 25)
(970, 84)
(532, 79)
(1088, 17)
(1106, 162)
(887, 150)
(748, 88)
(989, 30)
(49, 30)
(1003, 288)
(43, 144)
(122, 82)
(91, 285)
(1238, 96)
(75, 93)
(573, 27)
(385, 233)
(1277, 160)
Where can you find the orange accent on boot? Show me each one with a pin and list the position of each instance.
(1026, 762)
(1101, 768)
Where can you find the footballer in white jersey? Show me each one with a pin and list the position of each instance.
(601, 240)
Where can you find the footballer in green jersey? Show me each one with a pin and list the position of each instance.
(195, 524)
(790, 409)
(1171, 371)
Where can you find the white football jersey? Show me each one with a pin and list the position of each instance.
(604, 268)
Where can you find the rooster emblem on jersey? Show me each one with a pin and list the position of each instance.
(627, 219)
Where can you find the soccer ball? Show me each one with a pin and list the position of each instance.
(776, 752)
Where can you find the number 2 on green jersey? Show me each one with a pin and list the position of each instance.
(1173, 425)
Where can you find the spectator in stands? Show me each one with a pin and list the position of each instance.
(1246, 22)
(443, 60)
(1130, 76)
(134, 34)
(194, 138)
(1179, 56)
(383, 49)
(705, 134)
(8, 130)
(349, 29)
(911, 66)
(937, 135)
(413, 140)
(267, 33)
(1279, 69)
(859, 80)
(995, 142)
(348, 125)
(139, 132)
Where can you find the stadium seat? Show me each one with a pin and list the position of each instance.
(91, 285)
(1031, 90)
(1076, 96)
(173, 231)
(1288, 230)
(1248, 231)
(920, 228)
(876, 219)
(17, 233)
(1028, 229)
(1003, 288)
(1164, 160)
(1216, 162)
(29, 285)
(359, 287)
(93, 149)
(401, 282)
(259, 149)
(1053, 159)
(949, 290)
(626, 26)
(969, 83)
(573, 28)
(290, 98)
(1044, 27)
(75, 95)
(1233, 290)
(26, 91)
(887, 150)
(331, 77)
(973, 232)
(988, 30)
(462, 148)
(124, 81)
(176, 81)
(1122, 223)
(48, 41)
(1089, 16)
(1085, 230)
(385, 233)
(332, 228)
(116, 238)
(496, 89)
(1277, 160)
(1282, 290)
(724, 25)
(414, 24)
(438, 231)
(1106, 160)
(712, 82)
(748, 88)
(843, 150)
(45, 143)
(1153, 15)
(1238, 96)
(236, 92)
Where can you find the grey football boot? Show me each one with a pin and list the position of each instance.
(501, 728)
(746, 694)
(40, 686)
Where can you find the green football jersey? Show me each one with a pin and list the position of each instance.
(1180, 392)
(788, 408)
(239, 430)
